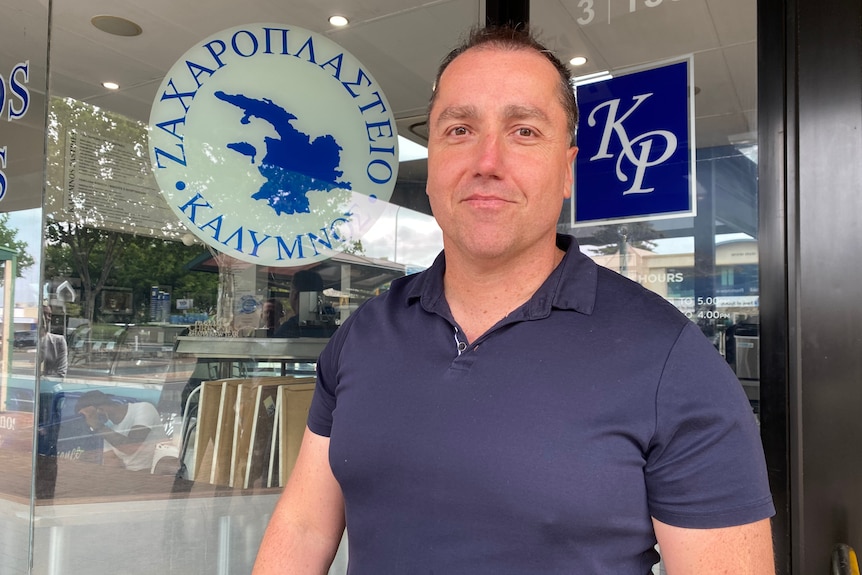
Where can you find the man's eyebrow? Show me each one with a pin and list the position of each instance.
(519, 112)
(457, 113)
(511, 112)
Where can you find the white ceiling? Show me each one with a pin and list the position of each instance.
(400, 41)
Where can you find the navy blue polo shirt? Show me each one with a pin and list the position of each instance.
(544, 446)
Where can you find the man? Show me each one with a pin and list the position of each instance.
(516, 408)
(304, 281)
(55, 351)
(272, 316)
(135, 429)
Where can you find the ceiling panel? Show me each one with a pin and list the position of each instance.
(556, 25)
(742, 66)
(653, 34)
(401, 43)
(716, 95)
(403, 51)
(735, 20)
(716, 130)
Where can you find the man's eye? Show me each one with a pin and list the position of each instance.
(459, 131)
(525, 132)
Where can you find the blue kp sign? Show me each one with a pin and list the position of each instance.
(635, 140)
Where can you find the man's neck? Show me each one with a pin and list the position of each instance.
(481, 293)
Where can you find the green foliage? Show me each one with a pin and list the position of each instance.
(9, 239)
(64, 116)
(79, 244)
(150, 261)
(100, 259)
(356, 248)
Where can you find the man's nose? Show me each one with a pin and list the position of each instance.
(489, 154)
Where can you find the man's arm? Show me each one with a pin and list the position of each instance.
(128, 444)
(308, 522)
(62, 356)
(741, 550)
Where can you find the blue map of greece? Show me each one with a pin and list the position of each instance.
(293, 164)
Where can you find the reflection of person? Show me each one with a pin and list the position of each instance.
(272, 316)
(302, 281)
(53, 347)
(130, 430)
(516, 408)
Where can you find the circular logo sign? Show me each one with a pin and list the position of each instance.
(273, 144)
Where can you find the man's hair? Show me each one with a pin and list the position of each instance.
(307, 280)
(277, 306)
(93, 398)
(515, 38)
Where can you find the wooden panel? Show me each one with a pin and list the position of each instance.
(205, 431)
(256, 415)
(223, 444)
(214, 435)
(295, 402)
(250, 430)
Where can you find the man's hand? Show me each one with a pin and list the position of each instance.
(91, 415)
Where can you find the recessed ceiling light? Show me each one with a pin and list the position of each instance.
(111, 85)
(338, 20)
(578, 61)
(116, 25)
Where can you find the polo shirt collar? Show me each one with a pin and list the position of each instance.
(572, 285)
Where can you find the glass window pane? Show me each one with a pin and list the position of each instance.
(705, 265)
(25, 332)
(208, 357)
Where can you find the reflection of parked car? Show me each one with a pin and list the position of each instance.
(24, 339)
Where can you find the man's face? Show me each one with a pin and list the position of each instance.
(95, 414)
(499, 155)
(268, 313)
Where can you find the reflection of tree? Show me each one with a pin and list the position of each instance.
(355, 247)
(150, 261)
(333, 214)
(103, 259)
(9, 239)
(226, 287)
(614, 238)
(75, 246)
(618, 238)
(66, 115)
(90, 253)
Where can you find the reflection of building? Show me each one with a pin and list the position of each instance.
(343, 282)
(25, 318)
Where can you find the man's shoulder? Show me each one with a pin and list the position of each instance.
(402, 292)
(379, 311)
(142, 409)
(621, 299)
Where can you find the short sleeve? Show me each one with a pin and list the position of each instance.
(148, 416)
(323, 402)
(705, 466)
